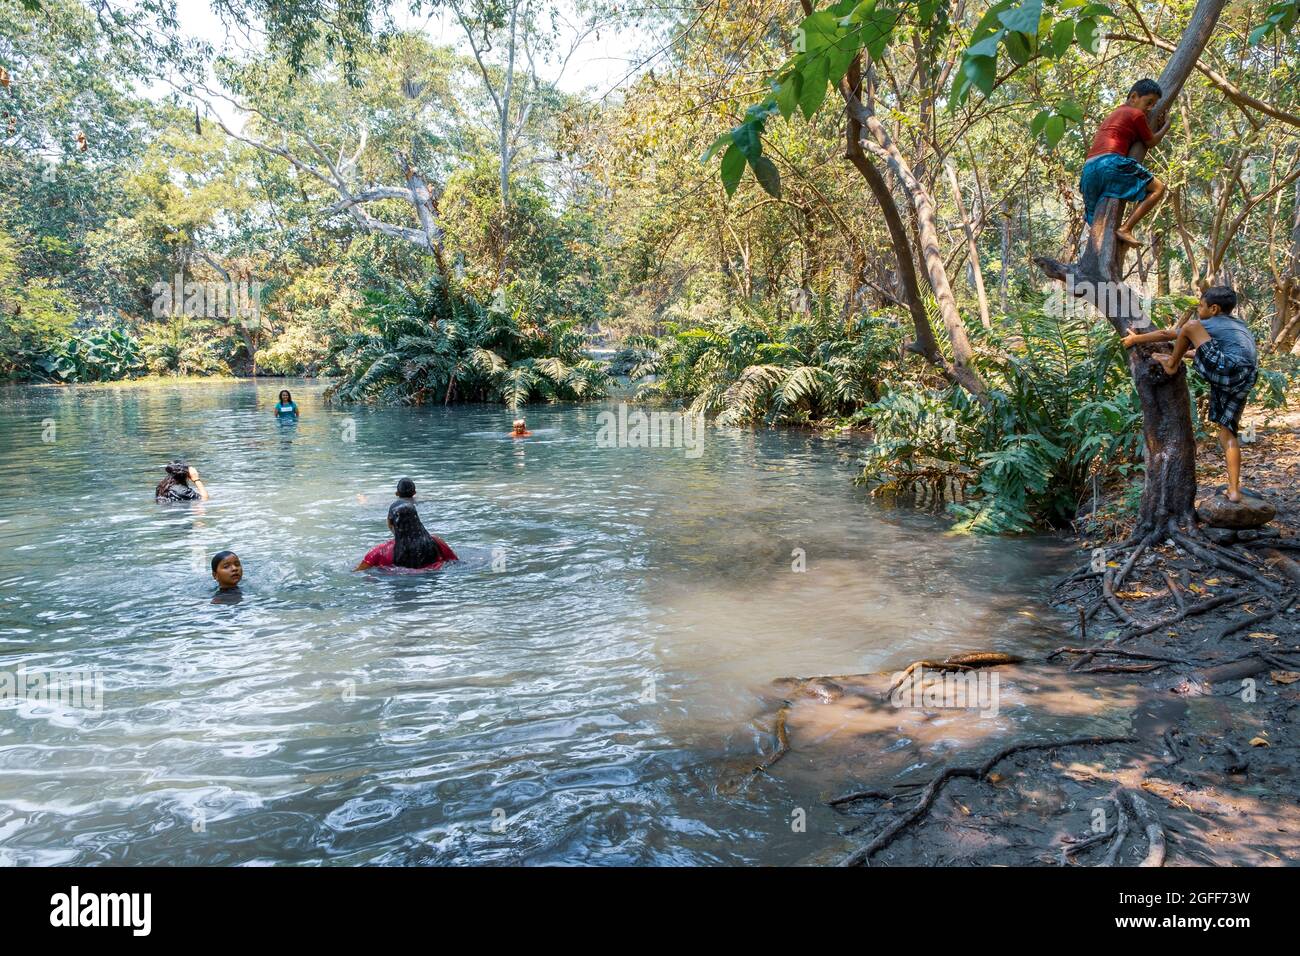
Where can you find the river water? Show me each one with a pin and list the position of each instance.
(576, 690)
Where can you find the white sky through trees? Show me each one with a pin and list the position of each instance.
(598, 64)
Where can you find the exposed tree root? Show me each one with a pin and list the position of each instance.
(1186, 611)
(1124, 560)
(857, 795)
(1155, 832)
(957, 662)
(1121, 832)
(931, 792)
(1155, 660)
(1252, 620)
(782, 741)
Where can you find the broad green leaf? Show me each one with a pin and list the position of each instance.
(1071, 110)
(787, 97)
(841, 55)
(877, 31)
(1054, 129)
(1062, 37)
(768, 176)
(733, 167)
(982, 72)
(1089, 38)
(1017, 48)
(863, 11)
(1024, 18)
(960, 90)
(819, 30)
(718, 143)
(1036, 125)
(989, 22)
(986, 47)
(813, 92)
(1096, 10)
(746, 139)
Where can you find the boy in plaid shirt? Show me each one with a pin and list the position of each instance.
(1225, 357)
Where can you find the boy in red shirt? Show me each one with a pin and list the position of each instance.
(1109, 172)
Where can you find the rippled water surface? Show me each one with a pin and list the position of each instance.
(574, 691)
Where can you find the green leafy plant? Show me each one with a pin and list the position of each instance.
(423, 345)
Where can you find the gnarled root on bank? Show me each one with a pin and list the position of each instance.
(1152, 561)
(930, 794)
(1125, 802)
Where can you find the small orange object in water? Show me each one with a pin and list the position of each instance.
(81, 140)
(4, 77)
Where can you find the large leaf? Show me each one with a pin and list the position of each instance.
(813, 92)
(1024, 18)
(768, 176)
(733, 167)
(1062, 38)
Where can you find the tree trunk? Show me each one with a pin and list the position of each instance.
(1004, 210)
(1169, 493)
(973, 252)
(961, 366)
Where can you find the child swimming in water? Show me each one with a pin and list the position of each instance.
(286, 408)
(181, 484)
(412, 545)
(226, 570)
(520, 429)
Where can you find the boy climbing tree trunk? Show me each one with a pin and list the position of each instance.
(1168, 497)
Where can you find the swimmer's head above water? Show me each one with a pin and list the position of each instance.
(226, 570)
(412, 545)
(406, 488)
(520, 428)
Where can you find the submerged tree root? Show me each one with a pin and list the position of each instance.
(931, 792)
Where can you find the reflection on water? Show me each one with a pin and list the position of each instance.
(572, 691)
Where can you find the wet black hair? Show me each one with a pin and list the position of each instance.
(413, 546)
(284, 391)
(221, 556)
(1221, 295)
(406, 488)
(1145, 88)
(179, 470)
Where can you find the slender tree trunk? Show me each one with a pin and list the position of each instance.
(973, 252)
(1004, 210)
(931, 254)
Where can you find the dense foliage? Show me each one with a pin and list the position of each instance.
(433, 221)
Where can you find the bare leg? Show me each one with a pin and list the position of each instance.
(1232, 452)
(1155, 192)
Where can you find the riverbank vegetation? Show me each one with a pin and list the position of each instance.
(439, 219)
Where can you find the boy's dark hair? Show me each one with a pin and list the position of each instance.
(219, 557)
(1145, 88)
(406, 488)
(1222, 296)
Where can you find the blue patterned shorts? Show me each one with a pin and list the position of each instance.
(1230, 383)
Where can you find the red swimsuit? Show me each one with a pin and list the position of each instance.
(382, 556)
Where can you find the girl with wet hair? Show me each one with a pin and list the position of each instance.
(286, 407)
(181, 484)
(412, 545)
